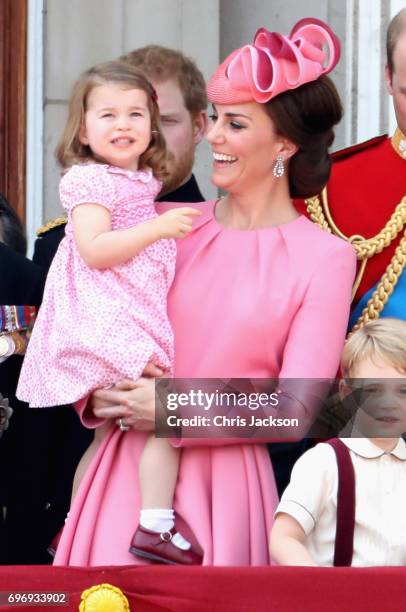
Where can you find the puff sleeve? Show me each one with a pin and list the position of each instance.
(87, 183)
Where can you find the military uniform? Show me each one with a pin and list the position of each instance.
(21, 283)
(46, 245)
(365, 202)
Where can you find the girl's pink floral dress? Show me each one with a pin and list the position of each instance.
(96, 327)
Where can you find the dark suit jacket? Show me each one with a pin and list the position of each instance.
(21, 282)
(20, 279)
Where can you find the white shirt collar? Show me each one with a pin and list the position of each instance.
(366, 448)
(145, 176)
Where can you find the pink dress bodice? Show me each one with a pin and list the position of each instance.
(259, 304)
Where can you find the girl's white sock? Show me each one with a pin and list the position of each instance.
(161, 520)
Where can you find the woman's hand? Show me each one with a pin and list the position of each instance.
(142, 405)
(112, 402)
(129, 400)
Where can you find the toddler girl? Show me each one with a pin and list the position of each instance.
(104, 313)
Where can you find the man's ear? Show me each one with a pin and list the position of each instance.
(199, 123)
(388, 80)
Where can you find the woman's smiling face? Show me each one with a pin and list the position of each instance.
(245, 145)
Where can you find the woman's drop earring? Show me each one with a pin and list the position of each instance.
(279, 168)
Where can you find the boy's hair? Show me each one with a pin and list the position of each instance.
(162, 64)
(396, 29)
(72, 151)
(383, 339)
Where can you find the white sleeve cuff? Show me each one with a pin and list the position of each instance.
(298, 512)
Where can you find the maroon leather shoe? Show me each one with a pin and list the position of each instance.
(54, 544)
(158, 547)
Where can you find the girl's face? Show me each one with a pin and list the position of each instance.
(117, 125)
(245, 146)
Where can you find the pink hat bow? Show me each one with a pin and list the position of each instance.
(275, 63)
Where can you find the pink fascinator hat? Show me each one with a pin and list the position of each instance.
(275, 63)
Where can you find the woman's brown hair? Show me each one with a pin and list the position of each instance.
(72, 151)
(306, 116)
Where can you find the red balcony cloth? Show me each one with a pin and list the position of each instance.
(221, 589)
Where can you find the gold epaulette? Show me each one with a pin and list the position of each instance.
(365, 248)
(51, 225)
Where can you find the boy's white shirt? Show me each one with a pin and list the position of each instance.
(380, 517)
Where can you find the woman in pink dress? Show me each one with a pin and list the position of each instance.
(259, 292)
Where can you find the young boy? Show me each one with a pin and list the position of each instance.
(370, 517)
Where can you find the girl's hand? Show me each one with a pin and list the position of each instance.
(132, 401)
(152, 371)
(177, 222)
